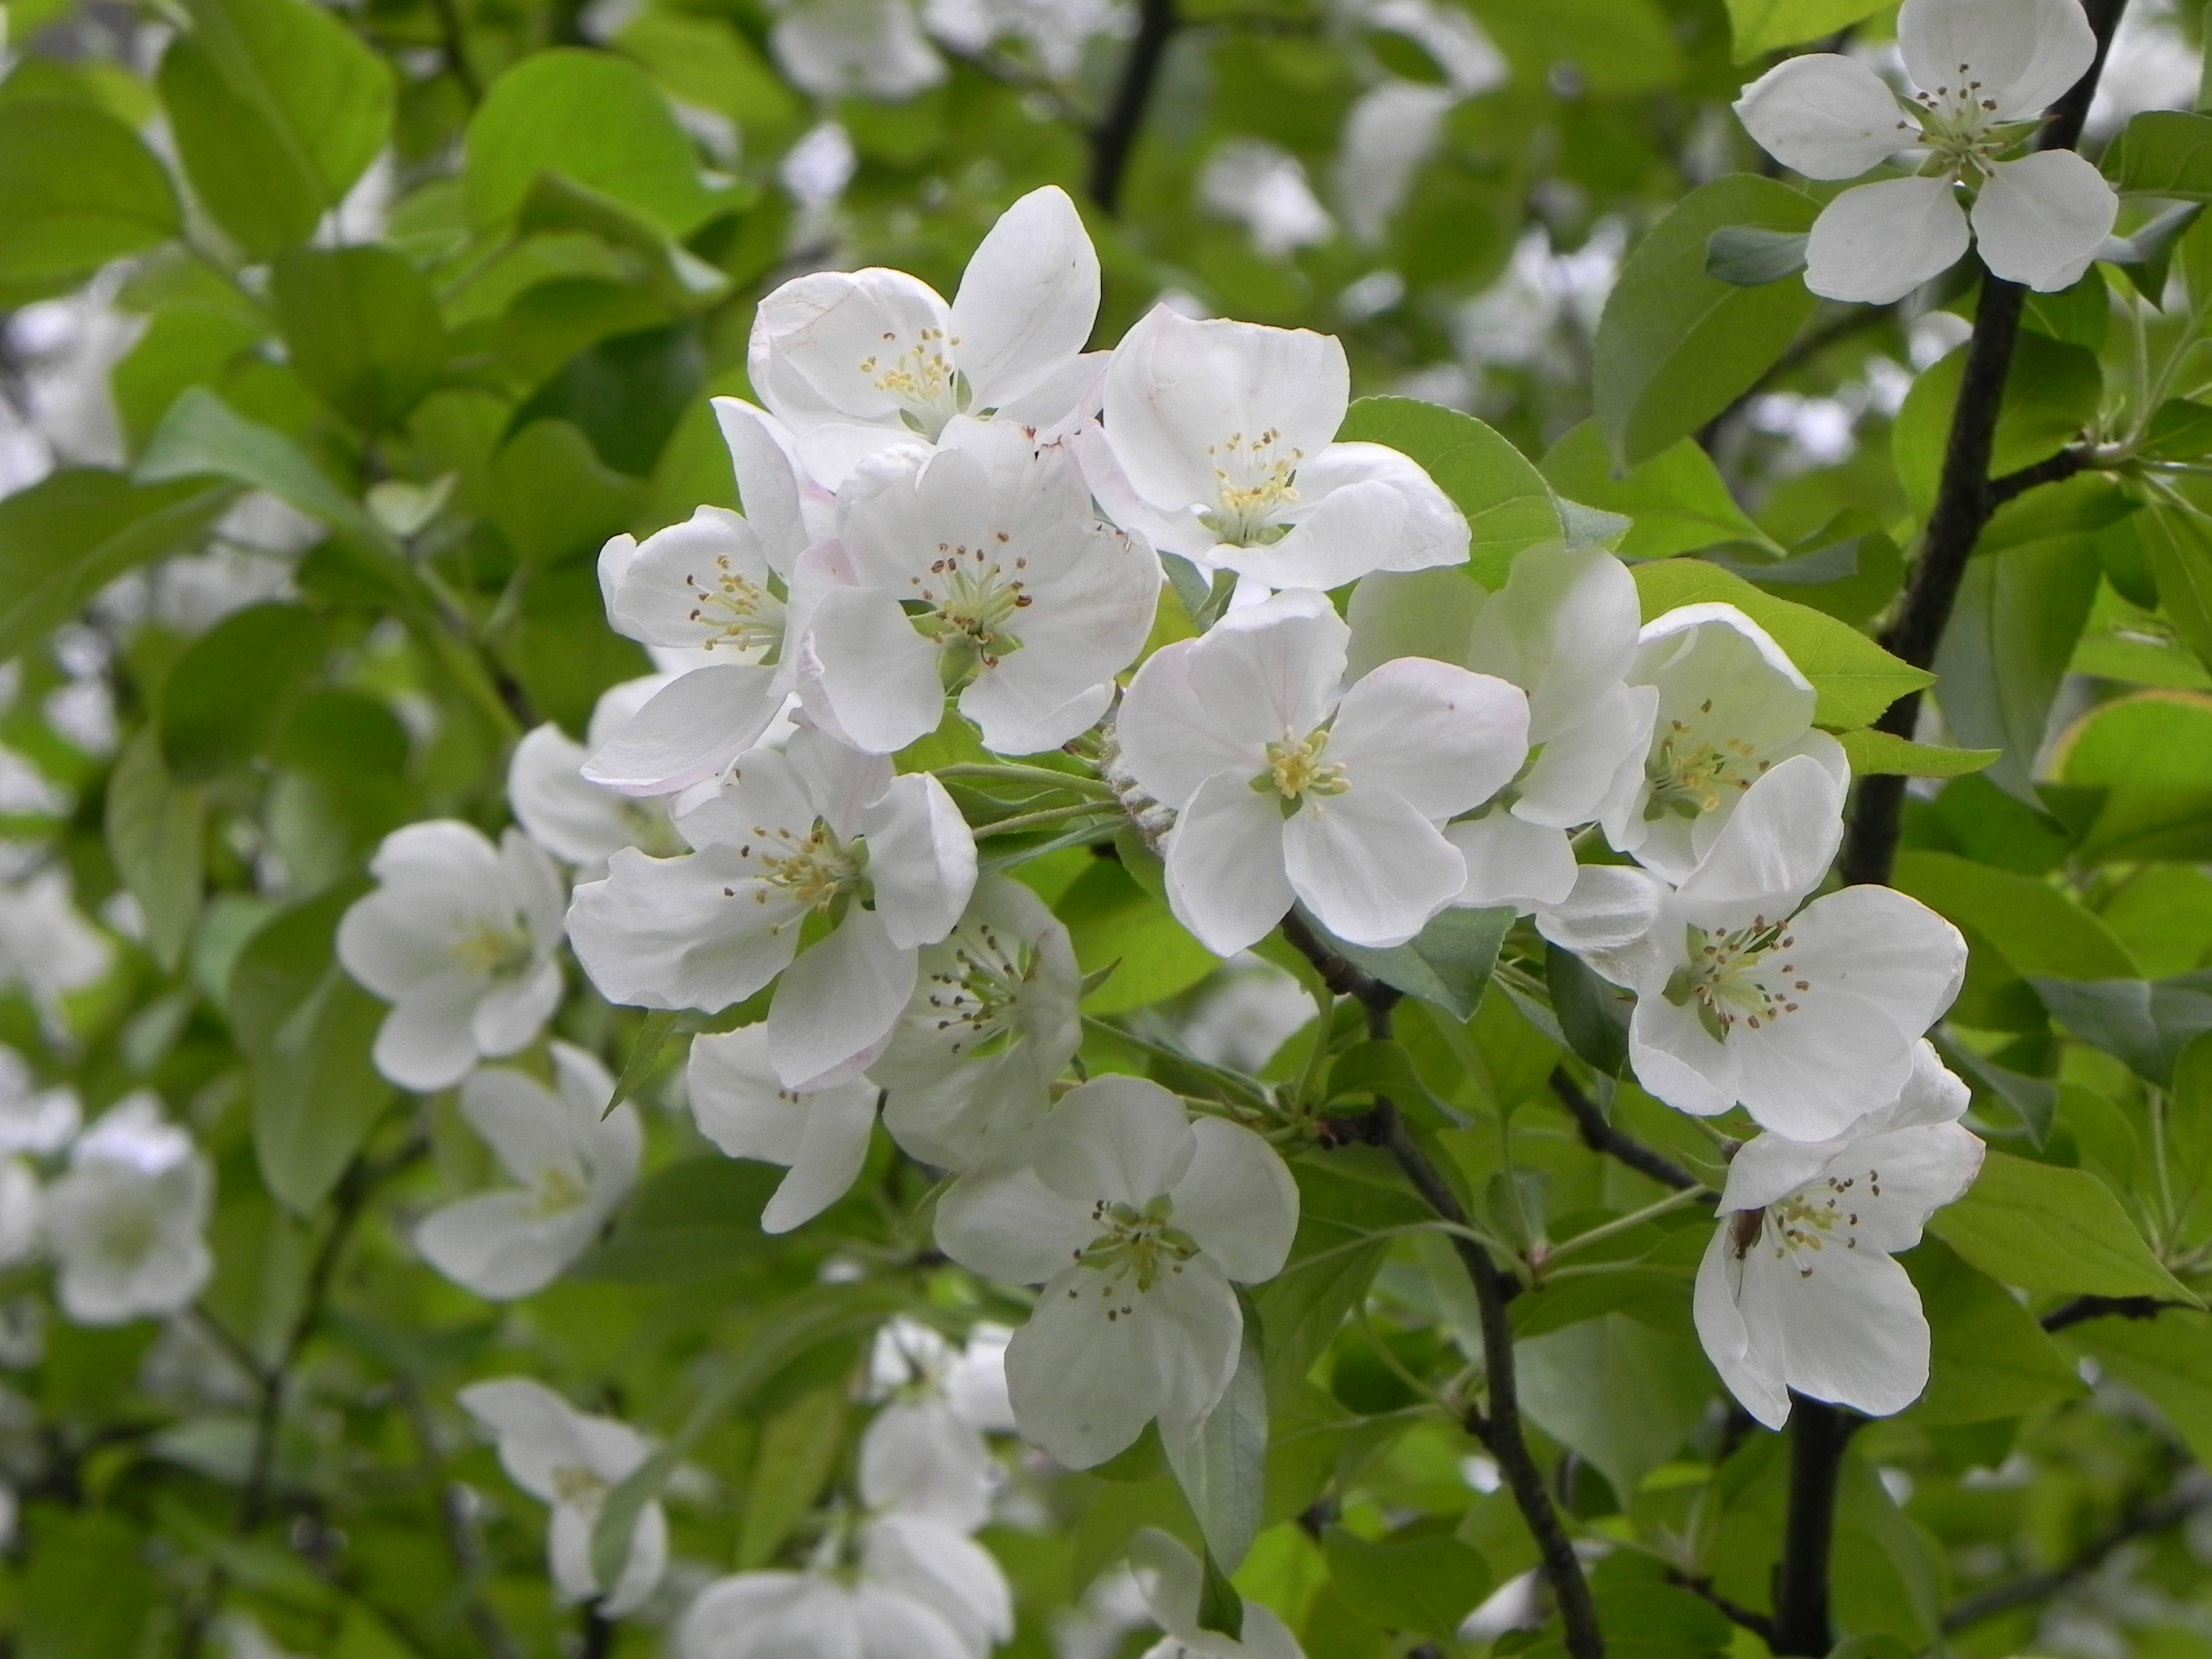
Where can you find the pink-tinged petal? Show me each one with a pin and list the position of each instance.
(1876, 243)
(1439, 737)
(1029, 299)
(2041, 219)
(693, 728)
(864, 673)
(837, 1004)
(1238, 1201)
(1225, 877)
(2022, 56)
(921, 859)
(1373, 868)
(1825, 116)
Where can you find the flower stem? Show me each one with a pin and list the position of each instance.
(1037, 820)
(1622, 1223)
(1039, 776)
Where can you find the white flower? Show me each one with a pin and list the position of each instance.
(915, 1589)
(582, 823)
(1798, 1289)
(925, 1454)
(856, 362)
(1807, 1017)
(46, 947)
(573, 1162)
(1563, 630)
(564, 1458)
(1222, 443)
(22, 1212)
(1284, 788)
(1263, 186)
(1986, 70)
(981, 570)
(833, 47)
(459, 938)
(993, 1023)
(908, 1355)
(1172, 1584)
(32, 1119)
(1055, 31)
(126, 1221)
(815, 830)
(1135, 1220)
(820, 1135)
(1731, 706)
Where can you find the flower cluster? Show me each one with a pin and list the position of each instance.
(948, 581)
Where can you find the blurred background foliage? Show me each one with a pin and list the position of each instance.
(339, 338)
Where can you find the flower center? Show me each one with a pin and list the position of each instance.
(492, 950)
(128, 1233)
(577, 1488)
(1731, 975)
(1252, 481)
(977, 997)
(921, 377)
(559, 1190)
(811, 871)
(741, 613)
(1691, 773)
(1799, 1227)
(1958, 128)
(1296, 770)
(1134, 1249)
(967, 602)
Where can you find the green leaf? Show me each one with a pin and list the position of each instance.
(202, 437)
(231, 151)
(2146, 254)
(1748, 257)
(1374, 1068)
(1989, 1356)
(1110, 918)
(2051, 393)
(1333, 1258)
(1761, 26)
(2168, 1360)
(363, 328)
(2042, 1227)
(1854, 679)
(1222, 1467)
(1676, 347)
(1593, 1014)
(2039, 929)
(1220, 1609)
(157, 834)
(77, 189)
(2033, 1100)
(228, 695)
(624, 393)
(2146, 1022)
(1623, 1393)
(644, 1058)
(2012, 630)
(596, 120)
(1427, 1585)
(74, 532)
(2151, 755)
(797, 1453)
(552, 497)
(2179, 546)
(308, 1029)
(695, 1220)
(1447, 964)
(1509, 507)
(1869, 749)
(1676, 498)
(2163, 152)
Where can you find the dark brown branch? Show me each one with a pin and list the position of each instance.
(1500, 1429)
(2074, 458)
(1757, 1623)
(1964, 498)
(2083, 1308)
(1601, 1136)
(1115, 137)
(1818, 1434)
(2038, 1586)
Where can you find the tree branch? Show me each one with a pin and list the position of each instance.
(1499, 1428)
(1964, 497)
(2083, 1308)
(2036, 1586)
(1818, 1434)
(1601, 1136)
(1113, 138)
(1757, 1623)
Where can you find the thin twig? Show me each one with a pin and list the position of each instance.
(457, 1521)
(1757, 1623)
(2083, 1308)
(1601, 1136)
(1113, 139)
(2038, 1586)
(453, 42)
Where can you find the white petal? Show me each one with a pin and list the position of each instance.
(1679, 1062)
(2025, 53)
(921, 859)
(2040, 220)
(1564, 628)
(1028, 300)
(1751, 1367)
(1003, 1223)
(1116, 1139)
(833, 1146)
(920, 1458)
(838, 783)
(521, 1120)
(427, 1042)
(1608, 921)
(866, 674)
(1361, 507)
(1226, 876)
(1016, 714)
(918, 1558)
(682, 933)
(1440, 738)
(1876, 243)
(1511, 861)
(1372, 868)
(1238, 1201)
(1774, 849)
(1853, 1328)
(1085, 1385)
(769, 482)
(700, 583)
(512, 1012)
(641, 1573)
(837, 1004)
(1901, 1178)
(1876, 943)
(535, 1428)
(693, 728)
(1420, 613)
(499, 1245)
(1825, 115)
(1593, 769)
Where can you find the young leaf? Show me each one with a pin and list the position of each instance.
(2042, 1227)
(1426, 1585)
(363, 330)
(77, 189)
(1871, 750)
(68, 535)
(157, 833)
(1676, 501)
(2163, 152)
(1222, 1465)
(1761, 26)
